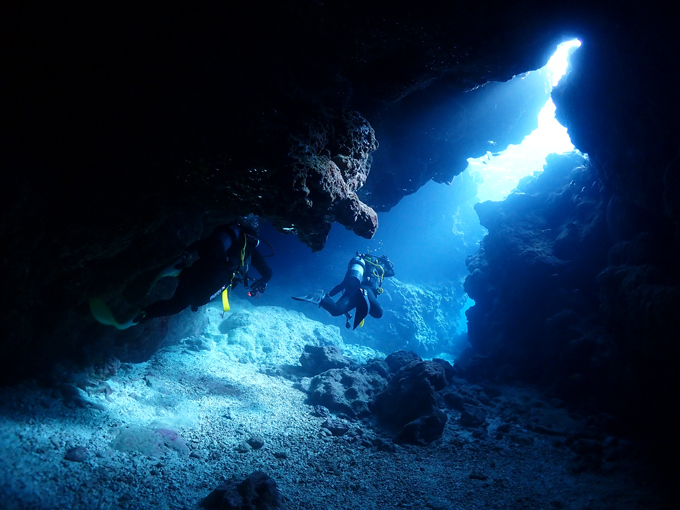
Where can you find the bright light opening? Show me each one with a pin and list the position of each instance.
(500, 172)
(557, 65)
(462, 325)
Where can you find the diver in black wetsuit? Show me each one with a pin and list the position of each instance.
(360, 289)
(224, 259)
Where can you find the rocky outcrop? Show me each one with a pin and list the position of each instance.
(402, 394)
(317, 359)
(330, 159)
(610, 103)
(350, 392)
(613, 109)
(409, 406)
(534, 280)
(569, 296)
(257, 491)
(576, 282)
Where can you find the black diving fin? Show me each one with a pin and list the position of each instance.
(314, 297)
(363, 307)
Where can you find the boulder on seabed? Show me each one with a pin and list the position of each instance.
(318, 359)
(257, 492)
(345, 391)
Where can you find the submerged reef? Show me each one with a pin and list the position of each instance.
(422, 319)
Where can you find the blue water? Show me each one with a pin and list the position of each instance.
(428, 235)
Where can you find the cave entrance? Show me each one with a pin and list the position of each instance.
(498, 173)
(428, 234)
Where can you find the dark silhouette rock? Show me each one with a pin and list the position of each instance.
(398, 359)
(472, 416)
(380, 367)
(448, 368)
(337, 426)
(540, 251)
(411, 395)
(423, 430)
(76, 454)
(257, 492)
(453, 399)
(256, 442)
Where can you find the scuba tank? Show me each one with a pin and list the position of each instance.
(355, 269)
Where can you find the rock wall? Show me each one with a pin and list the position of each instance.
(626, 83)
(576, 282)
(534, 278)
(561, 299)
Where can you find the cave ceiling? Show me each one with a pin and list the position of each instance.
(130, 130)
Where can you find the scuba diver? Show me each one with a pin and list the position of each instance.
(224, 259)
(360, 289)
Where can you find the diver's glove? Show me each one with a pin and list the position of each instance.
(257, 288)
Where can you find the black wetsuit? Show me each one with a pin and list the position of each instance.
(217, 267)
(352, 295)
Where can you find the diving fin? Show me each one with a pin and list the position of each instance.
(362, 309)
(103, 315)
(142, 285)
(314, 298)
(172, 270)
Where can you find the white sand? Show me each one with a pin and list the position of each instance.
(214, 403)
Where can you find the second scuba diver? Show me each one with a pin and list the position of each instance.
(224, 259)
(360, 289)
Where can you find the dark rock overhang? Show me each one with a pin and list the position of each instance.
(129, 131)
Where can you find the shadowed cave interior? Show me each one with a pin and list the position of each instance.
(526, 354)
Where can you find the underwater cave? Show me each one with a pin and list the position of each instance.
(339, 255)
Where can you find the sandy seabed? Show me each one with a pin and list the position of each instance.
(165, 433)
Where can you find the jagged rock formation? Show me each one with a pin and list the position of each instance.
(577, 279)
(631, 139)
(402, 394)
(346, 391)
(409, 404)
(257, 491)
(571, 297)
(534, 278)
